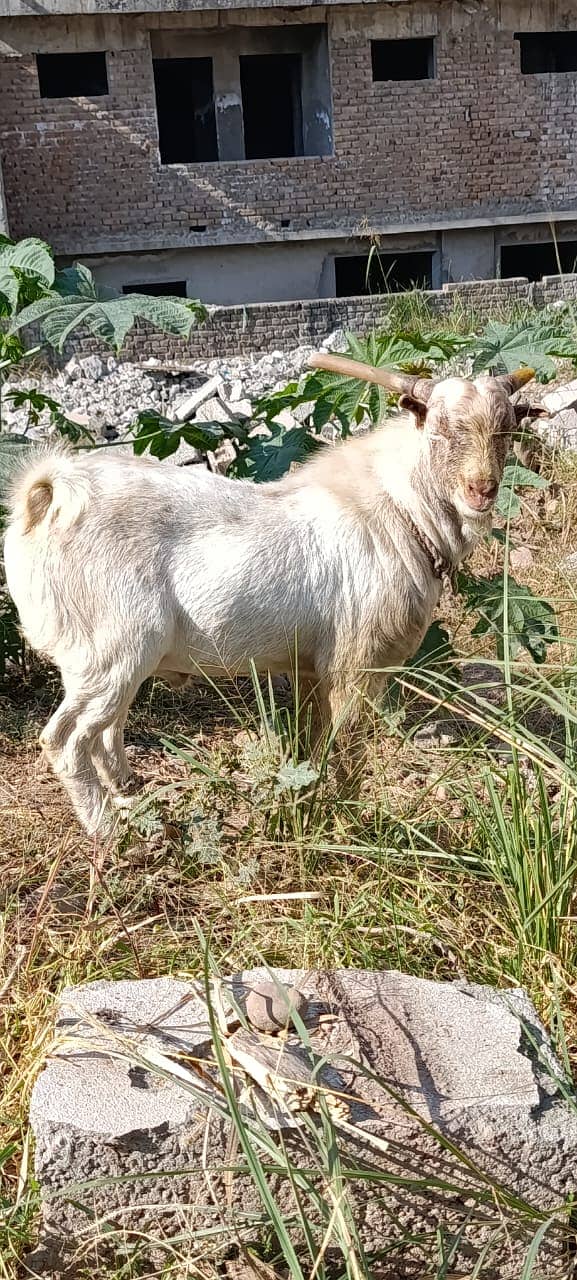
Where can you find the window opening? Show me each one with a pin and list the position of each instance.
(403, 59)
(159, 289)
(72, 75)
(271, 87)
(547, 51)
(533, 261)
(384, 273)
(185, 110)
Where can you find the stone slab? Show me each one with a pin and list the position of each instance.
(562, 397)
(450, 1062)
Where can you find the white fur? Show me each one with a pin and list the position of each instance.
(135, 568)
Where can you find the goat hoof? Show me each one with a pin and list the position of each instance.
(123, 801)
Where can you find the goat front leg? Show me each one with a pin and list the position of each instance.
(313, 715)
(351, 715)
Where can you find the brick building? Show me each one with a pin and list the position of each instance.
(246, 152)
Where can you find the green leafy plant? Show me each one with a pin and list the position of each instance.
(77, 301)
(505, 347)
(512, 613)
(26, 272)
(161, 437)
(516, 476)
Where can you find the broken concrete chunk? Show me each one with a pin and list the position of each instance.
(130, 1114)
(561, 430)
(563, 397)
(189, 406)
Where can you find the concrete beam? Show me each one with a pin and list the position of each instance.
(261, 232)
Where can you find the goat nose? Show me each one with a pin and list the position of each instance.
(482, 489)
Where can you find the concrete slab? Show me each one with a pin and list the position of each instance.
(123, 1147)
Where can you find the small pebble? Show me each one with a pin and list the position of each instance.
(268, 1008)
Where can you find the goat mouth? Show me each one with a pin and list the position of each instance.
(475, 507)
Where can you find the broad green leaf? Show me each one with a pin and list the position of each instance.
(172, 315)
(270, 457)
(26, 269)
(78, 280)
(532, 624)
(515, 475)
(78, 302)
(506, 347)
(162, 437)
(32, 257)
(435, 649)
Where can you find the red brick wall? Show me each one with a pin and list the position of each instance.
(480, 139)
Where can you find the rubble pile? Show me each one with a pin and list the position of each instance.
(105, 394)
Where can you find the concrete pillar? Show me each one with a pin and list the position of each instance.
(469, 255)
(228, 105)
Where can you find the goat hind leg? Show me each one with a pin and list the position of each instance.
(71, 760)
(109, 756)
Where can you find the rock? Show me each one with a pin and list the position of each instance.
(71, 369)
(269, 1008)
(562, 397)
(336, 341)
(240, 408)
(521, 558)
(484, 680)
(286, 419)
(568, 565)
(435, 734)
(235, 391)
(213, 411)
(189, 407)
(561, 429)
(471, 1064)
(90, 367)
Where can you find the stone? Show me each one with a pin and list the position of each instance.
(90, 367)
(483, 681)
(336, 341)
(562, 397)
(235, 391)
(190, 406)
(561, 429)
(124, 1137)
(568, 565)
(268, 1008)
(521, 558)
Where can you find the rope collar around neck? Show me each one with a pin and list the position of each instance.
(441, 567)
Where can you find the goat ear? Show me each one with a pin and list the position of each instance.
(417, 407)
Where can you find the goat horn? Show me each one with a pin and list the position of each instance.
(399, 383)
(514, 381)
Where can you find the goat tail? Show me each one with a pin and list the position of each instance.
(48, 490)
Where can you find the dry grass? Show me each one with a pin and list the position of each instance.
(397, 884)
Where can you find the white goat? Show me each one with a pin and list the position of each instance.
(123, 568)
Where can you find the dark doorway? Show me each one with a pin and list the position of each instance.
(185, 110)
(271, 105)
(385, 273)
(533, 261)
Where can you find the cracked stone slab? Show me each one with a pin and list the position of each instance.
(121, 1145)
